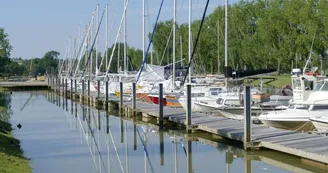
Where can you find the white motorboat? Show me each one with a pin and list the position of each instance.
(231, 106)
(320, 121)
(297, 116)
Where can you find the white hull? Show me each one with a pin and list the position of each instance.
(300, 125)
(320, 122)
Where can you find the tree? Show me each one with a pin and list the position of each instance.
(5, 49)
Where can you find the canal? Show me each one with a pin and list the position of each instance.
(59, 135)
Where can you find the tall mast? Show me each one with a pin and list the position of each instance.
(96, 70)
(143, 28)
(189, 42)
(125, 58)
(218, 30)
(174, 29)
(226, 42)
(151, 54)
(106, 51)
(90, 41)
(118, 53)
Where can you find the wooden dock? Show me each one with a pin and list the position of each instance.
(27, 84)
(310, 147)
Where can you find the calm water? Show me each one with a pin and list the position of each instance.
(79, 139)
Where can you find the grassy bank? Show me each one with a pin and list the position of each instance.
(280, 81)
(11, 155)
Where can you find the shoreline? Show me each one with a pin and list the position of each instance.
(11, 154)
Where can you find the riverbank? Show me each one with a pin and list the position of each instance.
(11, 155)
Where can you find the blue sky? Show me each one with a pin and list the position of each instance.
(37, 26)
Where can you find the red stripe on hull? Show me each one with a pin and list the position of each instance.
(155, 100)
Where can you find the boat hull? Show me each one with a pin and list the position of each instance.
(298, 125)
(155, 100)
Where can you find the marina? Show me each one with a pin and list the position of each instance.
(308, 146)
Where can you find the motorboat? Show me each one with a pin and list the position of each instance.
(297, 116)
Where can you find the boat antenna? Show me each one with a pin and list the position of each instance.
(309, 59)
(197, 38)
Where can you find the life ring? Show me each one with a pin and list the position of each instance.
(284, 90)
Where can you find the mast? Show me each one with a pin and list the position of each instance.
(118, 53)
(143, 28)
(125, 61)
(151, 54)
(189, 42)
(96, 70)
(174, 29)
(90, 64)
(226, 43)
(106, 36)
(218, 28)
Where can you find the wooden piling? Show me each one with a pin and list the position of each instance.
(161, 104)
(75, 86)
(106, 105)
(247, 117)
(134, 96)
(88, 92)
(71, 90)
(83, 90)
(65, 87)
(188, 112)
(98, 89)
(121, 94)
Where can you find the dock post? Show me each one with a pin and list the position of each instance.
(106, 105)
(134, 96)
(88, 92)
(75, 86)
(52, 82)
(121, 94)
(55, 84)
(83, 90)
(188, 113)
(247, 117)
(65, 87)
(161, 104)
(98, 89)
(71, 91)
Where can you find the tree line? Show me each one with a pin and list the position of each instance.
(262, 34)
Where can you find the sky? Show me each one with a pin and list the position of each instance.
(38, 26)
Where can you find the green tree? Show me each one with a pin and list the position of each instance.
(5, 49)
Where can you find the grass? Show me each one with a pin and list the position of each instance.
(281, 81)
(11, 155)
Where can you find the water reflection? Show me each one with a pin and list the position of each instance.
(95, 141)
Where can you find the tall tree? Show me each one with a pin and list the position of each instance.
(5, 49)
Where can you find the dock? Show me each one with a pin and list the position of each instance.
(312, 148)
(24, 85)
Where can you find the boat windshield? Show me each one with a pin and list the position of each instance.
(317, 87)
(232, 102)
(324, 87)
(319, 107)
(220, 101)
(292, 106)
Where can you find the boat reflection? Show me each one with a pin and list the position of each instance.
(108, 139)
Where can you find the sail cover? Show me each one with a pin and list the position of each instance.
(152, 73)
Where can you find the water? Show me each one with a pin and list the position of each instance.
(62, 136)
